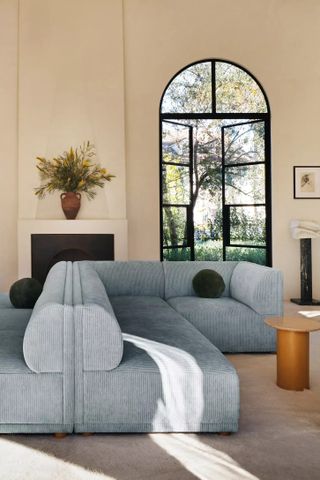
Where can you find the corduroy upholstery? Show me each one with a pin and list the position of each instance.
(12, 318)
(128, 347)
(37, 360)
(258, 287)
(179, 276)
(131, 278)
(171, 377)
(43, 347)
(97, 329)
(230, 325)
(134, 396)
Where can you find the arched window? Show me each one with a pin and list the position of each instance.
(215, 184)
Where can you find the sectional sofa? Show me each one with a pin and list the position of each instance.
(129, 347)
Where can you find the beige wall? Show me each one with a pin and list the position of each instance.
(71, 68)
(71, 90)
(278, 41)
(8, 141)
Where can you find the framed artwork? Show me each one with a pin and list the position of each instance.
(306, 182)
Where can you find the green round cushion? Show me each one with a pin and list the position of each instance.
(25, 292)
(208, 283)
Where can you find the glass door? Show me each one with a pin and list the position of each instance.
(177, 236)
(244, 191)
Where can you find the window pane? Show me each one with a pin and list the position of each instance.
(248, 225)
(175, 184)
(174, 254)
(255, 255)
(190, 91)
(208, 250)
(245, 184)
(236, 91)
(174, 226)
(175, 143)
(244, 143)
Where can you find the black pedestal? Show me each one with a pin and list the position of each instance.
(305, 275)
(300, 301)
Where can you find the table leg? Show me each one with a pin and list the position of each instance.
(293, 360)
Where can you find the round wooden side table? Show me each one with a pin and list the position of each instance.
(293, 350)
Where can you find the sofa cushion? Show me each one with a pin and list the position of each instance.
(131, 278)
(179, 276)
(12, 318)
(26, 398)
(208, 284)
(11, 353)
(97, 328)
(49, 333)
(230, 325)
(259, 287)
(25, 292)
(140, 384)
(5, 301)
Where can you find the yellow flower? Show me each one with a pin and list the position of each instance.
(81, 183)
(103, 171)
(86, 163)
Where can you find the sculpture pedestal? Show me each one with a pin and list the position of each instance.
(301, 301)
(305, 275)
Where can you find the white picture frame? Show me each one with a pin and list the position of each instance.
(306, 182)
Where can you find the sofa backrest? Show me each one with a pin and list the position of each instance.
(179, 275)
(131, 278)
(49, 332)
(259, 287)
(98, 334)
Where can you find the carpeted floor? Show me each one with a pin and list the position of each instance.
(279, 438)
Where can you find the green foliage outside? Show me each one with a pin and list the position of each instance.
(244, 144)
(212, 250)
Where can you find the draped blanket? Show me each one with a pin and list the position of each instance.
(182, 385)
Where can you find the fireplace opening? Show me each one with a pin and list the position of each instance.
(48, 249)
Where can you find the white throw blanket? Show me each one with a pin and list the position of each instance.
(182, 384)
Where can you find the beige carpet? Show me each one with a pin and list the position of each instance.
(279, 438)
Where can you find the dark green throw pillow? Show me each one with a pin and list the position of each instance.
(25, 292)
(208, 283)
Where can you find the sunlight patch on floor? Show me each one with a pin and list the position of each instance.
(18, 462)
(205, 462)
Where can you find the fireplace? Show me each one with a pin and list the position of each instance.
(48, 249)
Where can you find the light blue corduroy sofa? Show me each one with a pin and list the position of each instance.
(37, 360)
(166, 371)
(128, 347)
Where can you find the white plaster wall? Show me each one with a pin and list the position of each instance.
(278, 41)
(71, 90)
(8, 141)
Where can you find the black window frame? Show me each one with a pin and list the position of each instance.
(262, 116)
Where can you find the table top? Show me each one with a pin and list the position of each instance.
(293, 324)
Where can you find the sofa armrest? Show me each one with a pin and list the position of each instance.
(98, 335)
(48, 338)
(259, 287)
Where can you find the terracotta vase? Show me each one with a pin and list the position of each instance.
(70, 202)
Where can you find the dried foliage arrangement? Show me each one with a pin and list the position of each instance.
(73, 171)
